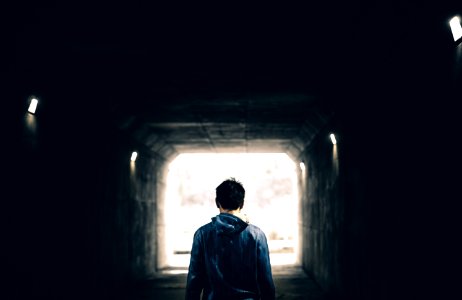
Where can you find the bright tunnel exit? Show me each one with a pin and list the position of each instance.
(271, 200)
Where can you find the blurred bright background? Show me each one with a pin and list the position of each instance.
(271, 200)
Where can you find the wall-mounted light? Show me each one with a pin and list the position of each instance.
(456, 28)
(134, 155)
(332, 138)
(302, 166)
(33, 105)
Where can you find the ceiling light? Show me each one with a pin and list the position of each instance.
(32, 106)
(456, 28)
(332, 137)
(134, 155)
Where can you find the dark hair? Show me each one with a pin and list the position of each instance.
(230, 194)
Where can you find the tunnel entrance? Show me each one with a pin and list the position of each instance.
(271, 201)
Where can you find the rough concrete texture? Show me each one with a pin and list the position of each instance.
(323, 220)
(291, 283)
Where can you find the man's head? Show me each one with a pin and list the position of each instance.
(230, 194)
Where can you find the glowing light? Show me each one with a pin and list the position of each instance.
(332, 137)
(302, 166)
(456, 28)
(32, 106)
(270, 181)
(134, 155)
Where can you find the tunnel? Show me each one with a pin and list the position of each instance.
(82, 220)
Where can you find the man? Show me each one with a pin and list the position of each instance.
(229, 257)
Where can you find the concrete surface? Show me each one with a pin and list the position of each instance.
(291, 283)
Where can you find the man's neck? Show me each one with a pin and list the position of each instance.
(230, 211)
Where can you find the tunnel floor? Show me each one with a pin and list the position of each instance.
(291, 283)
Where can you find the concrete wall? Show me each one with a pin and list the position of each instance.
(51, 230)
(322, 214)
(127, 215)
(381, 228)
(339, 204)
(80, 218)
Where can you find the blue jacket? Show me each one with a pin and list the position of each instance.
(229, 260)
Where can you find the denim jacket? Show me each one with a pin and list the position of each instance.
(229, 260)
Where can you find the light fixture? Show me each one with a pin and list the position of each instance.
(332, 137)
(302, 166)
(134, 155)
(456, 28)
(33, 106)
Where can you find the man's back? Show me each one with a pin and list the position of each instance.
(230, 260)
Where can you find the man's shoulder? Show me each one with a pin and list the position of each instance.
(205, 227)
(255, 230)
(254, 227)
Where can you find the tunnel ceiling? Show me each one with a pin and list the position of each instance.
(214, 78)
(239, 122)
